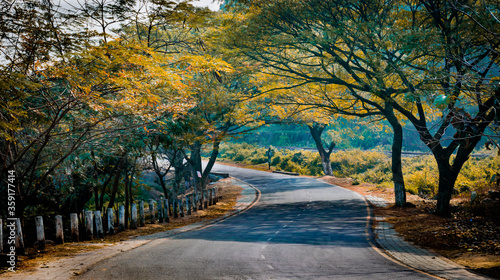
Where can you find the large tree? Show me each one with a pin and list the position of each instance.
(399, 57)
(333, 43)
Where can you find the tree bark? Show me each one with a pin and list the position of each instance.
(127, 195)
(116, 183)
(196, 166)
(211, 162)
(316, 131)
(397, 146)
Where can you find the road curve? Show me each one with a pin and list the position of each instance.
(301, 228)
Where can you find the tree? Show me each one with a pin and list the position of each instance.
(316, 131)
(462, 64)
(399, 57)
(340, 47)
(72, 95)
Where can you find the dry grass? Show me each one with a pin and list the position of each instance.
(228, 191)
(440, 235)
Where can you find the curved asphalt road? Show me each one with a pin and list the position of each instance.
(301, 228)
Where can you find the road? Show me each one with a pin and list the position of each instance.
(301, 228)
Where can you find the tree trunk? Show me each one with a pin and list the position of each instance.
(211, 162)
(196, 166)
(446, 184)
(316, 131)
(116, 183)
(127, 195)
(448, 174)
(397, 146)
(160, 174)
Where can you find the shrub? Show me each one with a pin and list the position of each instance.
(421, 173)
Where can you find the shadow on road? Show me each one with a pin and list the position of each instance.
(326, 223)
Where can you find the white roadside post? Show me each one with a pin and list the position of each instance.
(142, 215)
(133, 216)
(75, 234)
(98, 224)
(121, 217)
(111, 221)
(89, 225)
(59, 230)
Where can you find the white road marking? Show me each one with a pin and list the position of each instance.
(270, 267)
(262, 257)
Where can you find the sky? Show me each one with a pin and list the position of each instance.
(213, 5)
(207, 3)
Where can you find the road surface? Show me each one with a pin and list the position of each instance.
(301, 228)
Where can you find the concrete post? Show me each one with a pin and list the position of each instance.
(152, 211)
(111, 221)
(142, 215)
(19, 237)
(160, 211)
(89, 226)
(75, 234)
(40, 232)
(99, 230)
(165, 210)
(59, 230)
(133, 216)
(121, 217)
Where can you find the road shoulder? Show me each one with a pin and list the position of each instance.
(392, 245)
(69, 267)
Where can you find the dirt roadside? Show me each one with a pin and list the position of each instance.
(35, 259)
(466, 239)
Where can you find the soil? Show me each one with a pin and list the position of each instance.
(470, 237)
(34, 258)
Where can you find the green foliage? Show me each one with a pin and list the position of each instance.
(302, 162)
(421, 174)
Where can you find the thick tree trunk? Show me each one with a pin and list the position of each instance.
(446, 184)
(316, 131)
(448, 174)
(197, 169)
(397, 146)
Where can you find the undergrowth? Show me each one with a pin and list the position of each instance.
(420, 172)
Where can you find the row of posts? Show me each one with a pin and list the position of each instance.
(94, 224)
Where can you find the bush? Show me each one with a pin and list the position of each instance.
(421, 173)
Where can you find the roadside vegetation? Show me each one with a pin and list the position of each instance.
(470, 236)
(479, 174)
